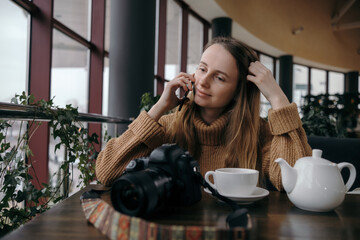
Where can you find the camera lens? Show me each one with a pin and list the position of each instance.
(140, 193)
(130, 197)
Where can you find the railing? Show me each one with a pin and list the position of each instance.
(21, 112)
(9, 111)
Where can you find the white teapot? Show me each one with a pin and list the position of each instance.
(314, 183)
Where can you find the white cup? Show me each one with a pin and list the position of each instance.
(233, 182)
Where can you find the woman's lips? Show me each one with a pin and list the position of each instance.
(201, 93)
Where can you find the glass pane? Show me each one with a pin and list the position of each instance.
(267, 61)
(69, 85)
(105, 99)
(300, 83)
(75, 14)
(12, 136)
(336, 83)
(173, 40)
(195, 44)
(14, 51)
(107, 25)
(69, 72)
(318, 81)
(265, 104)
(277, 77)
(55, 161)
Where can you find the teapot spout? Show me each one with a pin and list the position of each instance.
(288, 175)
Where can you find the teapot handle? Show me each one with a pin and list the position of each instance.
(352, 169)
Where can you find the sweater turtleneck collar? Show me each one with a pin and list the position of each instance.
(212, 134)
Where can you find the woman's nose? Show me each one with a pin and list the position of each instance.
(204, 80)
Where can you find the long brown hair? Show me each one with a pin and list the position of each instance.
(241, 137)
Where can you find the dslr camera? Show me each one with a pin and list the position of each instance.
(168, 176)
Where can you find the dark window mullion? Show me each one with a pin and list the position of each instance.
(309, 81)
(30, 7)
(70, 33)
(39, 82)
(96, 63)
(160, 75)
(184, 38)
(205, 35)
(327, 82)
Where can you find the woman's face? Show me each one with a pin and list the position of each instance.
(216, 79)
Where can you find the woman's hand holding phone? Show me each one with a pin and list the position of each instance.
(168, 99)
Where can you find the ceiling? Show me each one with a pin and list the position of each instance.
(322, 33)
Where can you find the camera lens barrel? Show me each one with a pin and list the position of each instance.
(140, 193)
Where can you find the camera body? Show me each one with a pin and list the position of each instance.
(167, 176)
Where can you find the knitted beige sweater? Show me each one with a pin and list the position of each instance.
(283, 136)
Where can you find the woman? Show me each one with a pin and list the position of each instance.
(220, 126)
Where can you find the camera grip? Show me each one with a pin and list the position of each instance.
(207, 175)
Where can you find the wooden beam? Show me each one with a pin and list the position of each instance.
(346, 26)
(341, 11)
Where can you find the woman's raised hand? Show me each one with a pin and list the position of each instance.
(262, 77)
(168, 99)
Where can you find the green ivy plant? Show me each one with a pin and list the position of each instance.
(21, 199)
(147, 101)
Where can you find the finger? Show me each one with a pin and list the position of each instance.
(192, 79)
(254, 68)
(189, 84)
(182, 74)
(184, 83)
(251, 78)
(259, 67)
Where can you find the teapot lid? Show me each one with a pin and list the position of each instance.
(316, 158)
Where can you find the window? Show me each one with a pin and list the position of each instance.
(69, 85)
(267, 61)
(265, 104)
(336, 83)
(318, 81)
(14, 51)
(195, 44)
(105, 100)
(173, 40)
(107, 25)
(75, 14)
(300, 83)
(69, 73)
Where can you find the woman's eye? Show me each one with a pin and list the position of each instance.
(220, 78)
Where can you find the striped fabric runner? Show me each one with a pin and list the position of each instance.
(116, 225)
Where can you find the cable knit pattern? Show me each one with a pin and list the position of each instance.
(211, 135)
(282, 137)
(288, 121)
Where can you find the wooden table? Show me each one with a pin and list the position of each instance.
(273, 217)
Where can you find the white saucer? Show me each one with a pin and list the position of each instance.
(258, 194)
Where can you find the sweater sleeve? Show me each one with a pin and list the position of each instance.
(142, 136)
(285, 138)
